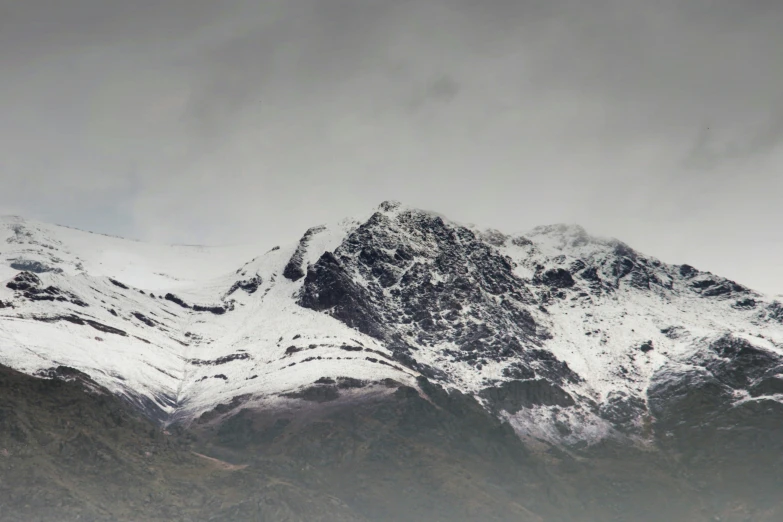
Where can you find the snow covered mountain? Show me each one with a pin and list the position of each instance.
(569, 337)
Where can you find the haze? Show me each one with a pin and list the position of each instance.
(660, 123)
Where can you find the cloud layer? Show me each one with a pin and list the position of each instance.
(183, 120)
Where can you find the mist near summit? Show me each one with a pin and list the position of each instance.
(192, 122)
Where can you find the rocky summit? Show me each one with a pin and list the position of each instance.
(398, 366)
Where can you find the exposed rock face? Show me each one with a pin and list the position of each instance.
(512, 396)
(317, 393)
(330, 287)
(773, 312)
(24, 281)
(215, 309)
(37, 267)
(248, 285)
(624, 411)
(294, 269)
(427, 282)
(30, 286)
(712, 381)
(174, 299)
(75, 319)
(119, 284)
(558, 278)
(418, 282)
(220, 360)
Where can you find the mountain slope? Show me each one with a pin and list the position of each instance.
(580, 327)
(599, 382)
(70, 450)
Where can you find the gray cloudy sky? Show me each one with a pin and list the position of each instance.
(657, 122)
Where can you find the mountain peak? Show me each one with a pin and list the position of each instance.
(389, 206)
(561, 229)
(403, 294)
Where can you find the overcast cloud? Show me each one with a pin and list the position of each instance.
(657, 122)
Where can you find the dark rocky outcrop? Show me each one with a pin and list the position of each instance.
(426, 282)
(75, 319)
(37, 267)
(222, 409)
(24, 281)
(346, 383)
(220, 360)
(745, 304)
(687, 271)
(714, 287)
(30, 287)
(625, 412)
(738, 363)
(518, 370)
(772, 312)
(144, 319)
(696, 395)
(105, 328)
(316, 393)
(329, 286)
(768, 385)
(293, 269)
(119, 284)
(213, 309)
(247, 285)
(176, 300)
(512, 396)
(558, 278)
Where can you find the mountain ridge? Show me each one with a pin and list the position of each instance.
(394, 367)
(412, 294)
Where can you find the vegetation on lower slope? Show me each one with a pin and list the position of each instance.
(71, 451)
